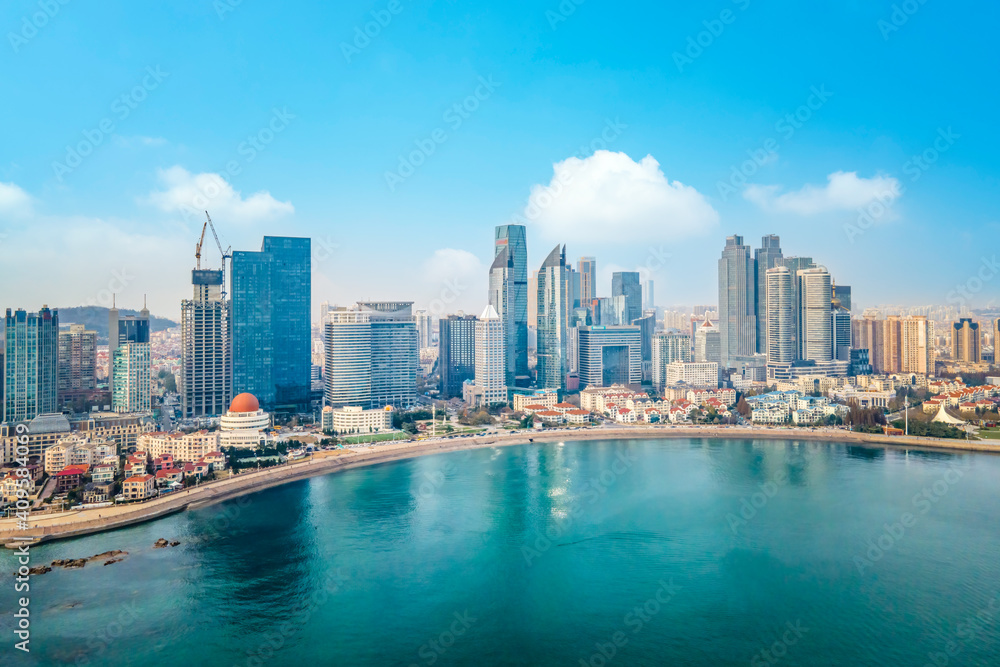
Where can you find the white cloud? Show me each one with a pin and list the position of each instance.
(610, 198)
(13, 200)
(844, 191)
(191, 194)
(140, 141)
(454, 280)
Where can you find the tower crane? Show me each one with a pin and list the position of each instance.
(197, 248)
(226, 254)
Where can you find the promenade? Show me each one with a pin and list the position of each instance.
(82, 522)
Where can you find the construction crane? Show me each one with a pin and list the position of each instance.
(197, 248)
(226, 254)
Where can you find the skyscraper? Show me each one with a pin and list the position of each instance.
(131, 379)
(77, 363)
(206, 350)
(372, 355)
(648, 299)
(866, 334)
(840, 319)
(626, 284)
(842, 294)
(124, 329)
(668, 348)
(965, 343)
(996, 342)
(554, 309)
(796, 264)
(501, 292)
(489, 386)
(707, 342)
(779, 343)
(513, 238)
(765, 258)
(737, 304)
(456, 353)
(271, 323)
(587, 266)
(424, 326)
(609, 355)
(815, 326)
(31, 358)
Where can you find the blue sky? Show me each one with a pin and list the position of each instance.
(621, 129)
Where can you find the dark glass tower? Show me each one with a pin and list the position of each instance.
(513, 238)
(31, 356)
(457, 353)
(271, 323)
(765, 257)
(626, 283)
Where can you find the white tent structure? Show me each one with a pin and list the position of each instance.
(943, 416)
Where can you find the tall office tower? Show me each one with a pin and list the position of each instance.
(610, 355)
(840, 321)
(707, 342)
(816, 333)
(371, 355)
(917, 346)
(602, 312)
(490, 359)
(424, 326)
(272, 323)
(77, 363)
(587, 267)
(965, 343)
(512, 237)
(131, 379)
(648, 299)
(576, 282)
(779, 343)
(124, 329)
(533, 300)
(737, 306)
(668, 348)
(647, 327)
(626, 284)
(206, 350)
(31, 364)
(842, 295)
(765, 259)
(554, 309)
(796, 264)
(456, 353)
(500, 293)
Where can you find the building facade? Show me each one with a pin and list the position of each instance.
(737, 301)
(77, 363)
(626, 284)
(31, 364)
(489, 386)
(555, 301)
(610, 355)
(667, 349)
(965, 341)
(456, 353)
(206, 348)
(513, 238)
(131, 378)
(765, 259)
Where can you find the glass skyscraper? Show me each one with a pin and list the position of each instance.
(31, 377)
(271, 323)
(555, 300)
(513, 239)
(765, 258)
(457, 352)
(626, 284)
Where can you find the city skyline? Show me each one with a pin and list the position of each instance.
(265, 154)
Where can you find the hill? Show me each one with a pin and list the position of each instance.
(96, 318)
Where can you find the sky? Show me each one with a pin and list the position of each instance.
(397, 134)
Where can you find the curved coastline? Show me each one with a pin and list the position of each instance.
(84, 522)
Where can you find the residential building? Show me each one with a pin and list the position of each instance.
(697, 374)
(668, 348)
(31, 364)
(77, 363)
(513, 239)
(707, 342)
(610, 355)
(70, 477)
(190, 447)
(765, 259)
(965, 341)
(206, 348)
(425, 335)
(355, 419)
(815, 327)
(131, 378)
(456, 352)
(554, 308)
(737, 300)
(525, 397)
(780, 339)
(271, 323)
(138, 487)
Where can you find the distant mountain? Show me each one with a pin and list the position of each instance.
(96, 319)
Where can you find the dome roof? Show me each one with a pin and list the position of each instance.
(244, 403)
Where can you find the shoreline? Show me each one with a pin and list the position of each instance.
(78, 523)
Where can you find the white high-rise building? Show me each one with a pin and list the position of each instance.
(490, 385)
(668, 348)
(780, 339)
(815, 325)
(424, 324)
(707, 342)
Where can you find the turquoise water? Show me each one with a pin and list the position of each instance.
(669, 552)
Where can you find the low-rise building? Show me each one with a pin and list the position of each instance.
(355, 419)
(138, 487)
(103, 473)
(70, 477)
(95, 492)
(523, 398)
(181, 446)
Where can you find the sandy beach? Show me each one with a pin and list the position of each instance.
(82, 522)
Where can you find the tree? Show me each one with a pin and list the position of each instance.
(743, 407)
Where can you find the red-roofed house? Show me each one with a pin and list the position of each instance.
(169, 476)
(134, 466)
(138, 487)
(577, 416)
(70, 477)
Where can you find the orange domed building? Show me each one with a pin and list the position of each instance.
(245, 425)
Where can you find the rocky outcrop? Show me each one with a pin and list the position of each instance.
(41, 569)
(160, 543)
(174, 543)
(113, 560)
